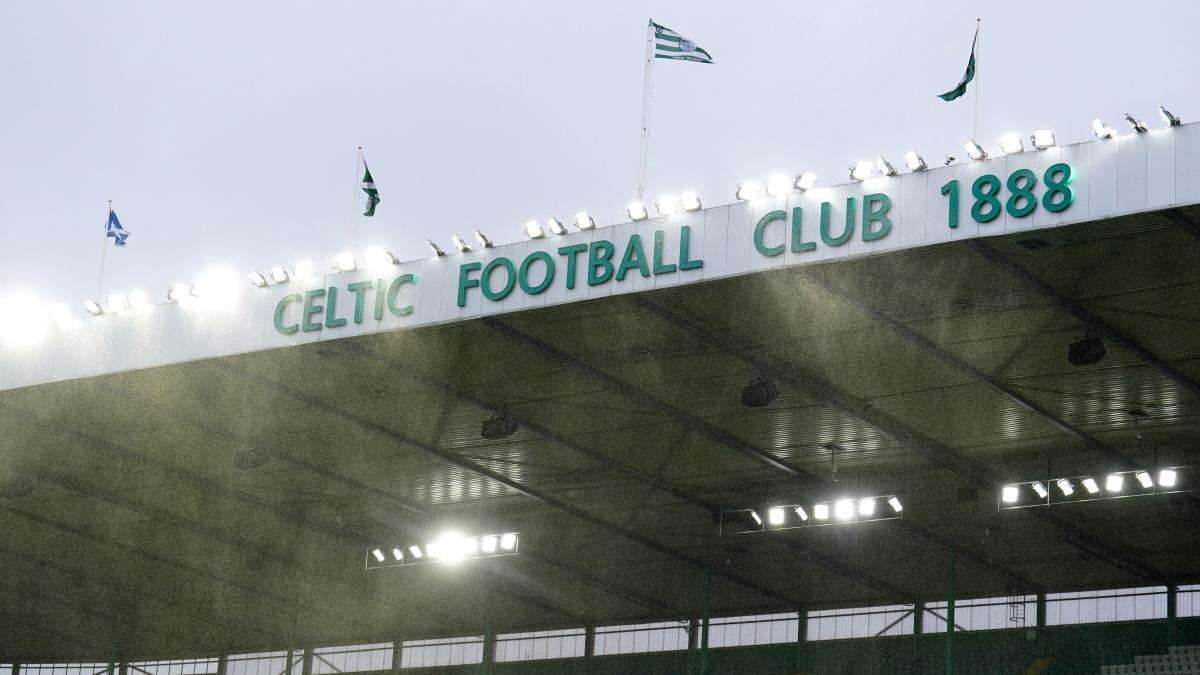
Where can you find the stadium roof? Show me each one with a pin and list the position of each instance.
(161, 500)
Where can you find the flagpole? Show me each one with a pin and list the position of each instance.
(647, 89)
(978, 30)
(103, 255)
(354, 231)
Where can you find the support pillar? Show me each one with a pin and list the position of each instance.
(306, 667)
(918, 618)
(223, 665)
(704, 624)
(950, 620)
(489, 649)
(589, 641)
(1172, 599)
(1041, 610)
(397, 655)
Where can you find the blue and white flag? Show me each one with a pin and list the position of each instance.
(113, 229)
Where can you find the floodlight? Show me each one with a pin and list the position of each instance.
(1040, 489)
(757, 518)
(748, 190)
(778, 185)
(482, 239)
(1167, 118)
(415, 552)
(637, 210)
(949, 160)
(279, 274)
(885, 167)
(397, 554)
(1166, 478)
(866, 506)
(821, 512)
(61, 315)
(1114, 482)
(861, 170)
(689, 201)
(257, 278)
(433, 550)
(304, 270)
(179, 292)
(1102, 130)
(1089, 484)
(667, 205)
(1136, 124)
(1011, 144)
(488, 543)
(217, 284)
(802, 513)
(914, 161)
(1009, 494)
(437, 250)
(378, 555)
(93, 307)
(534, 230)
(775, 515)
(345, 262)
(1042, 139)
(468, 546)
(377, 257)
(555, 226)
(460, 244)
(843, 509)
(1144, 478)
(583, 221)
(1065, 487)
(894, 502)
(508, 541)
(805, 181)
(138, 301)
(975, 150)
(117, 302)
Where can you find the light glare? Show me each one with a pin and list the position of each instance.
(1010, 494)
(689, 201)
(1143, 477)
(778, 185)
(1011, 144)
(1089, 484)
(1042, 139)
(821, 512)
(508, 541)
(775, 515)
(866, 506)
(914, 161)
(637, 210)
(843, 509)
(1065, 487)
(1114, 483)
(748, 190)
(1166, 478)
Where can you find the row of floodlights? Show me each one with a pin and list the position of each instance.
(1088, 487)
(449, 548)
(839, 510)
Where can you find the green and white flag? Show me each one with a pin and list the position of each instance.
(368, 186)
(967, 76)
(671, 45)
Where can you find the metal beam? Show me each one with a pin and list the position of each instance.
(1092, 321)
(1184, 221)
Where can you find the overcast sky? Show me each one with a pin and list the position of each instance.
(225, 132)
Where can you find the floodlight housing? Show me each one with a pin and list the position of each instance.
(866, 506)
(345, 262)
(975, 151)
(257, 278)
(460, 243)
(508, 541)
(778, 185)
(805, 181)
(749, 189)
(802, 514)
(1090, 485)
(1115, 482)
(437, 250)
(843, 509)
(378, 555)
(1102, 130)
(894, 502)
(93, 307)
(1040, 489)
(1042, 139)
(397, 554)
(179, 292)
(488, 543)
(482, 239)
(1011, 144)
(304, 270)
(416, 552)
(914, 161)
(584, 221)
(1167, 478)
(775, 515)
(861, 170)
(117, 303)
(821, 511)
(556, 227)
(757, 518)
(138, 301)
(667, 205)
(1065, 487)
(885, 167)
(1144, 479)
(279, 274)
(533, 229)
(1136, 124)
(377, 257)
(1009, 494)
(637, 210)
(689, 201)
(1168, 118)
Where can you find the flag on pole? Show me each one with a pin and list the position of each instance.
(113, 229)
(671, 45)
(967, 76)
(368, 186)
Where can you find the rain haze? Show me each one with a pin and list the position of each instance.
(225, 133)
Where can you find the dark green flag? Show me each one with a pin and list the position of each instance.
(368, 186)
(967, 76)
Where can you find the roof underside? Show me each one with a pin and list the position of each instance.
(227, 504)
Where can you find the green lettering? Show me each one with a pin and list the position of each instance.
(685, 243)
(600, 267)
(331, 320)
(486, 279)
(847, 233)
(465, 281)
(281, 308)
(798, 243)
(395, 288)
(523, 272)
(572, 253)
(659, 267)
(760, 230)
(635, 257)
(359, 289)
(872, 215)
(380, 298)
(311, 309)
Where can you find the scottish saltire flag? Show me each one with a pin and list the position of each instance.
(671, 45)
(113, 229)
(368, 186)
(967, 76)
